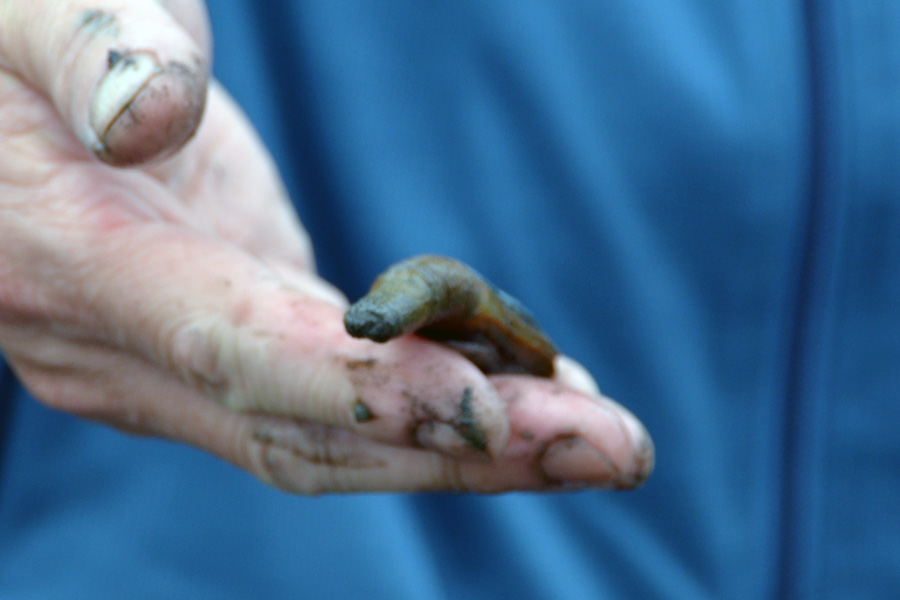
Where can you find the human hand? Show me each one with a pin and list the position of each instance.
(179, 298)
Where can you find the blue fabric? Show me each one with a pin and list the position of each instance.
(699, 201)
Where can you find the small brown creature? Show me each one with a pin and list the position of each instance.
(445, 300)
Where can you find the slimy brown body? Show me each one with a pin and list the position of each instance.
(445, 300)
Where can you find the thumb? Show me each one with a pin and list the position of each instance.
(128, 78)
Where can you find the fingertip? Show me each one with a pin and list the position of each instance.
(144, 110)
(644, 450)
(573, 374)
(571, 460)
(640, 449)
(582, 440)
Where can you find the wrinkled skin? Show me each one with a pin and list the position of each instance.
(179, 298)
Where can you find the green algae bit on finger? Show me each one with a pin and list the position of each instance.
(445, 300)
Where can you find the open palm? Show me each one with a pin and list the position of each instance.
(180, 299)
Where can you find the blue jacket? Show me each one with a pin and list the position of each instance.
(700, 201)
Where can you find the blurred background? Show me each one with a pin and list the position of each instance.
(697, 201)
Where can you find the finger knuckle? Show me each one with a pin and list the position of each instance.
(291, 473)
(200, 354)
